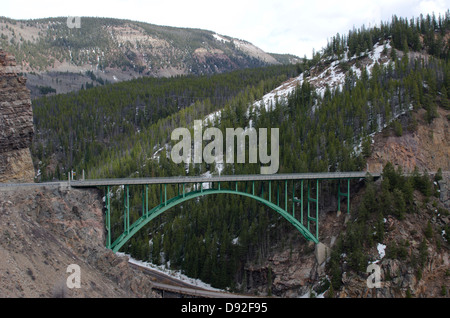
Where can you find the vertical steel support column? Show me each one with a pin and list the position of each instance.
(308, 217)
(278, 193)
(126, 209)
(165, 194)
(301, 203)
(316, 200)
(146, 200)
(143, 201)
(285, 196)
(270, 191)
(293, 198)
(317, 209)
(108, 217)
(261, 195)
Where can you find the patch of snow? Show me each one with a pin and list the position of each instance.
(312, 294)
(167, 271)
(219, 168)
(155, 155)
(381, 253)
(220, 38)
(279, 94)
(381, 250)
(211, 118)
(206, 185)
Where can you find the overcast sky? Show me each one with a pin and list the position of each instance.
(276, 26)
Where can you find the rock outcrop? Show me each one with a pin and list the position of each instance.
(16, 124)
(426, 148)
(415, 271)
(45, 230)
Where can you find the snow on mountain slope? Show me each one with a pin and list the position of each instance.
(332, 76)
(330, 73)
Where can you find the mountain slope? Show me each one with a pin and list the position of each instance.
(44, 231)
(327, 119)
(112, 50)
(106, 120)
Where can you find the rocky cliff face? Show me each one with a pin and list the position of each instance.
(46, 229)
(16, 124)
(426, 148)
(401, 276)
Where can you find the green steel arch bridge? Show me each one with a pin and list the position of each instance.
(280, 192)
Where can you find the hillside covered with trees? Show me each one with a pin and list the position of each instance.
(123, 130)
(61, 55)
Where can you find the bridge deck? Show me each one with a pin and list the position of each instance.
(227, 178)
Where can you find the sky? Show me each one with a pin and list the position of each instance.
(277, 26)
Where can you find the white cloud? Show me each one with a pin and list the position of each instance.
(278, 26)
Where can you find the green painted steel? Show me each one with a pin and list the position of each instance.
(223, 178)
(304, 226)
(150, 215)
(316, 201)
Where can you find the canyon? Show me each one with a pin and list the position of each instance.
(45, 229)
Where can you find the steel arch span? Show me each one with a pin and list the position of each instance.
(156, 211)
(272, 191)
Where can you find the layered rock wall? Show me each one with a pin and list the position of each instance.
(16, 124)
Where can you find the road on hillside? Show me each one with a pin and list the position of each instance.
(174, 285)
